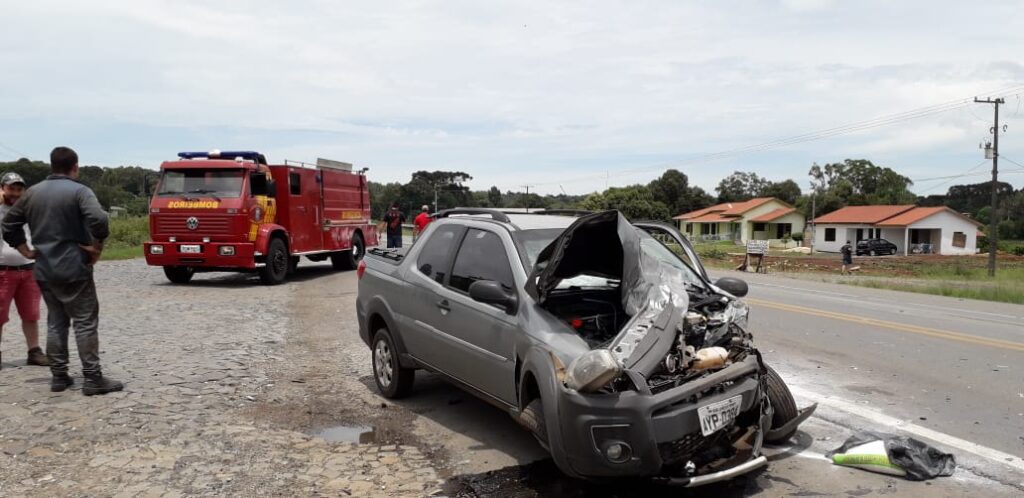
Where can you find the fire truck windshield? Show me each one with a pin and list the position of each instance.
(204, 182)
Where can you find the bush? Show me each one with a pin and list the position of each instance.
(798, 236)
(128, 231)
(1018, 250)
(712, 252)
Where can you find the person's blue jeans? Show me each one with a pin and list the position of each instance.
(394, 240)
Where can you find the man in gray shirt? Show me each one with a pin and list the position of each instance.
(68, 228)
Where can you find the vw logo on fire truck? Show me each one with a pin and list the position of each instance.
(192, 223)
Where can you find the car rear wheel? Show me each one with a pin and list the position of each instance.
(392, 379)
(783, 404)
(179, 274)
(892, 252)
(275, 269)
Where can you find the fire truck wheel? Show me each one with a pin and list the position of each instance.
(276, 268)
(349, 260)
(179, 274)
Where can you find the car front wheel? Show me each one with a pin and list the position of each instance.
(392, 379)
(783, 404)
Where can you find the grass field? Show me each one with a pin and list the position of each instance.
(126, 237)
(953, 276)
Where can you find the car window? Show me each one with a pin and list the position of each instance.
(435, 257)
(481, 257)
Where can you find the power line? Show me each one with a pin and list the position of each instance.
(949, 179)
(806, 137)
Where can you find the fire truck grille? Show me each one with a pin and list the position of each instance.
(208, 224)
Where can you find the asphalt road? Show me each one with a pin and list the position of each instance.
(944, 370)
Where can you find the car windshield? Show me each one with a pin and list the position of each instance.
(205, 182)
(532, 242)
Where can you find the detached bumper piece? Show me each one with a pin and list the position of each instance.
(691, 482)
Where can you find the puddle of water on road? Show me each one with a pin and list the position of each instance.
(348, 434)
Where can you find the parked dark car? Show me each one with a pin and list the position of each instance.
(875, 247)
(617, 352)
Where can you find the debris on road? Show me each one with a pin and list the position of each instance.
(894, 455)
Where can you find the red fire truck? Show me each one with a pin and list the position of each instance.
(231, 211)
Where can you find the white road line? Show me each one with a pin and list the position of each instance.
(911, 428)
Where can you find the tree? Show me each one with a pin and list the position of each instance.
(636, 202)
(740, 186)
(787, 191)
(859, 182)
(494, 197)
(673, 190)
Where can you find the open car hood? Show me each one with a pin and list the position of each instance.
(607, 245)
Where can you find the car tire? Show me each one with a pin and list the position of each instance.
(179, 274)
(275, 269)
(532, 417)
(349, 259)
(872, 253)
(393, 380)
(892, 252)
(783, 404)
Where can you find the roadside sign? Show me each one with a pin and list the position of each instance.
(759, 247)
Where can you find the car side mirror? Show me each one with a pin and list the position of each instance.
(491, 292)
(733, 286)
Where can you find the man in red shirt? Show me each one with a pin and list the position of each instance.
(421, 222)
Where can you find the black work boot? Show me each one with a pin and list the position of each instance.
(61, 382)
(36, 356)
(98, 384)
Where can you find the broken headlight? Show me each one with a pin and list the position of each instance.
(592, 370)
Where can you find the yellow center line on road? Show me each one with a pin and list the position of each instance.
(902, 327)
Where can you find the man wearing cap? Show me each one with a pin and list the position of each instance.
(68, 229)
(17, 284)
(420, 222)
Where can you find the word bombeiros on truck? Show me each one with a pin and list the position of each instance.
(231, 211)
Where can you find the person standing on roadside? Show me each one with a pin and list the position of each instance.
(847, 251)
(17, 284)
(68, 228)
(394, 219)
(420, 222)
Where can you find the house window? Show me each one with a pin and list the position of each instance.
(830, 235)
(758, 227)
(959, 239)
(783, 229)
(689, 228)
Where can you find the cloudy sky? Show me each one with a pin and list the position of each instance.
(560, 95)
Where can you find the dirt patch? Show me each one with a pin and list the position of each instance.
(321, 378)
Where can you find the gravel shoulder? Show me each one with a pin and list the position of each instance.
(210, 406)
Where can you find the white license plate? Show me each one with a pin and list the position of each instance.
(191, 249)
(718, 415)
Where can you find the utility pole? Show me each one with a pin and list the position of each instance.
(527, 201)
(813, 215)
(993, 225)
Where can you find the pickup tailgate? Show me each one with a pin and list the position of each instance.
(381, 285)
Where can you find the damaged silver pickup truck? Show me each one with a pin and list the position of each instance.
(617, 352)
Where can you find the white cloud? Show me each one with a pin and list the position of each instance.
(512, 92)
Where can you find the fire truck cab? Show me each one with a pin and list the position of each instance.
(231, 211)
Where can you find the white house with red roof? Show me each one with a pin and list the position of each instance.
(763, 218)
(914, 230)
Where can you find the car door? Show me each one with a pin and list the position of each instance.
(481, 336)
(425, 309)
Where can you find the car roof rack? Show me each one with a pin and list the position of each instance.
(493, 213)
(563, 212)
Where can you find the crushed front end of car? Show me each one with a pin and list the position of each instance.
(673, 387)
